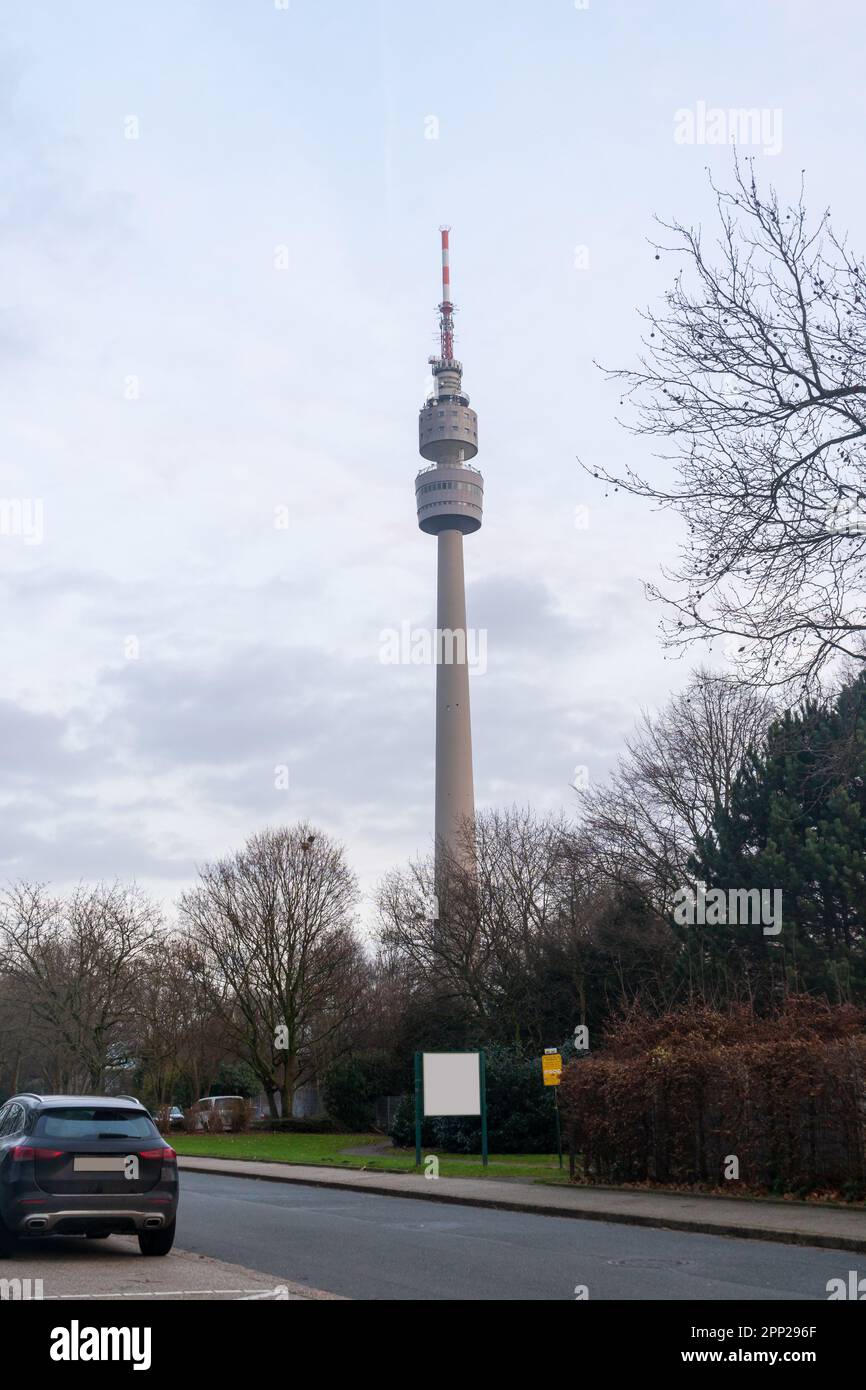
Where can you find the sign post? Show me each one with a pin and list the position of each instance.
(482, 1080)
(551, 1071)
(419, 1107)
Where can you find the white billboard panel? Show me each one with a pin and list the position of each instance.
(452, 1083)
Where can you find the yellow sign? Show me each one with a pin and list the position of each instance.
(551, 1069)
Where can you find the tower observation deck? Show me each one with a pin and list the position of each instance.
(449, 496)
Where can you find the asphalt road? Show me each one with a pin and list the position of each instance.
(363, 1246)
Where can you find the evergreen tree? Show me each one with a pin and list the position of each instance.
(796, 823)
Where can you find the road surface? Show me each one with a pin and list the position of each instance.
(364, 1246)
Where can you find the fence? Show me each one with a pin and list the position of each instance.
(386, 1109)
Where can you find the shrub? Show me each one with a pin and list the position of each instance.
(669, 1099)
(213, 1122)
(353, 1084)
(236, 1116)
(402, 1129)
(161, 1118)
(235, 1079)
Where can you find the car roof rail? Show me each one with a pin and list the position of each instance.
(31, 1095)
(132, 1098)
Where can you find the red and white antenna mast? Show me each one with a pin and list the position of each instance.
(446, 308)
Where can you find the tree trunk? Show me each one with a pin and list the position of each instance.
(290, 1081)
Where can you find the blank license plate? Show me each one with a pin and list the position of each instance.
(99, 1165)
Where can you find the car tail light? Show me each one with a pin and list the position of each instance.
(167, 1154)
(24, 1151)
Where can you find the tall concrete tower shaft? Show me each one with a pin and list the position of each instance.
(449, 494)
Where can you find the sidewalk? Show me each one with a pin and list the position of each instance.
(796, 1223)
(68, 1268)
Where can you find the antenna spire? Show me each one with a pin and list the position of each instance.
(446, 308)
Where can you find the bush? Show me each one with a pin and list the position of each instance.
(402, 1129)
(352, 1085)
(520, 1112)
(162, 1118)
(213, 1121)
(670, 1099)
(236, 1116)
(235, 1079)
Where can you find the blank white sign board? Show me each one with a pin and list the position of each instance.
(452, 1083)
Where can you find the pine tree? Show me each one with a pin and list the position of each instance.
(796, 823)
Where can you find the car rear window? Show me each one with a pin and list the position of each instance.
(84, 1122)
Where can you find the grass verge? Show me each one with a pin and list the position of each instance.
(329, 1150)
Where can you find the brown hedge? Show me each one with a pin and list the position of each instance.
(669, 1099)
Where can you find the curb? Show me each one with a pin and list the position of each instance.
(697, 1227)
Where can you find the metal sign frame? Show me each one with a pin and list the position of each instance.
(419, 1099)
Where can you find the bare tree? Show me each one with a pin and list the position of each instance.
(21, 1056)
(677, 771)
(73, 964)
(479, 941)
(533, 940)
(756, 369)
(430, 932)
(179, 1035)
(271, 938)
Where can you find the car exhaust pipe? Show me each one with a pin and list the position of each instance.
(36, 1223)
(152, 1222)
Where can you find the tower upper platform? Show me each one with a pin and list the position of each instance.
(450, 493)
(447, 427)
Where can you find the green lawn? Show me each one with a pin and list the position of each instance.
(327, 1150)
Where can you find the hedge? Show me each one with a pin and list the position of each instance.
(673, 1100)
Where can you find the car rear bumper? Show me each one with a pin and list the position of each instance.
(74, 1215)
(77, 1221)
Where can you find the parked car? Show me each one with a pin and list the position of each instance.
(175, 1117)
(213, 1112)
(85, 1165)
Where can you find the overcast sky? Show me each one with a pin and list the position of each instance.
(218, 228)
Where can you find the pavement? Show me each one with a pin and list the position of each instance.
(795, 1223)
(74, 1268)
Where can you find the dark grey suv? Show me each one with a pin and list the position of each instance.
(85, 1165)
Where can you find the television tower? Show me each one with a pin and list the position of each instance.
(449, 494)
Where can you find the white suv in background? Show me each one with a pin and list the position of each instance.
(207, 1106)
